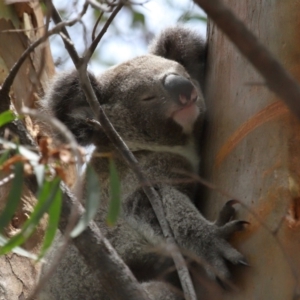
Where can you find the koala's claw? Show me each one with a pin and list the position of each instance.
(222, 251)
(226, 213)
(231, 227)
(244, 263)
(231, 202)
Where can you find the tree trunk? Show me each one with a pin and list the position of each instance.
(252, 150)
(18, 275)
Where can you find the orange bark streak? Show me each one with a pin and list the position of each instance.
(267, 114)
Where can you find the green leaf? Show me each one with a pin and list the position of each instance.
(43, 7)
(53, 220)
(6, 117)
(45, 199)
(137, 17)
(18, 250)
(189, 17)
(39, 171)
(33, 157)
(92, 201)
(4, 157)
(13, 198)
(30, 155)
(115, 194)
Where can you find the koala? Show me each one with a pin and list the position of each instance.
(156, 104)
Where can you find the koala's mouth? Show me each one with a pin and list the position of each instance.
(186, 115)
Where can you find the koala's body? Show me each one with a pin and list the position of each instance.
(155, 102)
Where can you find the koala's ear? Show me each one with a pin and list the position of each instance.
(66, 101)
(184, 46)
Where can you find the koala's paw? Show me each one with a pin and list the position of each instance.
(214, 248)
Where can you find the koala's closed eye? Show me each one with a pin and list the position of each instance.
(149, 98)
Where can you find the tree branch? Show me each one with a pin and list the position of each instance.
(69, 46)
(88, 54)
(73, 216)
(101, 258)
(127, 155)
(4, 91)
(104, 8)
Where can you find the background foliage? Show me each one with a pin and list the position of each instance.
(129, 34)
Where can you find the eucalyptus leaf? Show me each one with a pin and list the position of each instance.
(92, 201)
(39, 171)
(115, 194)
(18, 250)
(4, 157)
(195, 17)
(13, 198)
(53, 221)
(33, 157)
(45, 199)
(6, 117)
(138, 17)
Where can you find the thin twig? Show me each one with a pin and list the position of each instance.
(101, 257)
(21, 30)
(148, 189)
(129, 158)
(63, 32)
(88, 54)
(105, 259)
(275, 75)
(97, 5)
(96, 24)
(16, 67)
(41, 63)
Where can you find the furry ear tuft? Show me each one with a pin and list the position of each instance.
(184, 46)
(66, 101)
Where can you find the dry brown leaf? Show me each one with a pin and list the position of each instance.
(12, 160)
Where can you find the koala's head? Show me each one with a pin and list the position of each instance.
(152, 99)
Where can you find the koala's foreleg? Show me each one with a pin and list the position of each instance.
(193, 232)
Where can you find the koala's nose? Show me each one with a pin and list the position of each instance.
(180, 89)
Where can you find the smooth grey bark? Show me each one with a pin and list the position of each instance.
(252, 145)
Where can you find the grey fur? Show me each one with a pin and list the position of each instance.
(136, 96)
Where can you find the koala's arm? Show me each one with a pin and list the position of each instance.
(191, 230)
